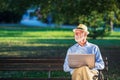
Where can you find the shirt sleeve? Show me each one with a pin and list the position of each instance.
(66, 67)
(99, 63)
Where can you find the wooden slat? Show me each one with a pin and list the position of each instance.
(35, 78)
(31, 60)
(30, 66)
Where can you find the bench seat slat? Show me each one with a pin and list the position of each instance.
(35, 78)
(30, 69)
(30, 61)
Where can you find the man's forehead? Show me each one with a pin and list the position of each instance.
(78, 30)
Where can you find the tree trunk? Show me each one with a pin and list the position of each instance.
(111, 25)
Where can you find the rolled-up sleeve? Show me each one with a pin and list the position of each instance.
(66, 67)
(99, 64)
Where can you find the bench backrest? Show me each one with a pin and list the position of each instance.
(33, 63)
(25, 63)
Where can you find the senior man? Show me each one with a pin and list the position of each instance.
(83, 47)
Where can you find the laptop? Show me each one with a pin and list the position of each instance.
(79, 60)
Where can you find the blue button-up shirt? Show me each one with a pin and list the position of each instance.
(88, 48)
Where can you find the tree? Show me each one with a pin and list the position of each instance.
(65, 11)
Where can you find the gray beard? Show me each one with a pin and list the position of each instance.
(80, 39)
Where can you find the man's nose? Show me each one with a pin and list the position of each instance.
(76, 33)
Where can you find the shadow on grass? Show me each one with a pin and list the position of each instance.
(40, 51)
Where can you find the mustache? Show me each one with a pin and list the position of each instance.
(80, 36)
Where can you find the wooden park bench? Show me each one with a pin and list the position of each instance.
(37, 64)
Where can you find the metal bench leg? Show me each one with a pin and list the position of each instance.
(49, 74)
(99, 77)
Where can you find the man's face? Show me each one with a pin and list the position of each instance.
(79, 35)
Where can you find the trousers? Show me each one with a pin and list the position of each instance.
(83, 73)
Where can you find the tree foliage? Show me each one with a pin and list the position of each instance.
(99, 15)
(93, 13)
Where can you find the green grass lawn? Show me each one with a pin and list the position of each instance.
(36, 41)
(19, 40)
(48, 36)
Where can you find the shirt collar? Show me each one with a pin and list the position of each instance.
(84, 45)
